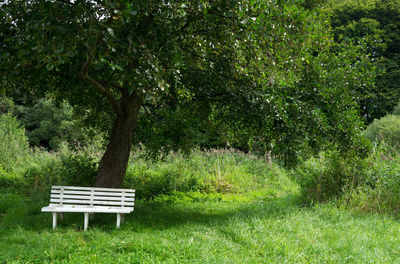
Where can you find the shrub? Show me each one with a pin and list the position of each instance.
(381, 188)
(153, 178)
(6, 105)
(385, 129)
(40, 176)
(210, 172)
(78, 170)
(67, 168)
(396, 110)
(8, 200)
(10, 183)
(13, 142)
(328, 176)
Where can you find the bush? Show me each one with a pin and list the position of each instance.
(8, 200)
(328, 176)
(13, 142)
(78, 170)
(396, 110)
(6, 105)
(41, 176)
(385, 129)
(10, 183)
(381, 189)
(207, 172)
(66, 168)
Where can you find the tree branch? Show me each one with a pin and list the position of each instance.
(102, 89)
(111, 84)
(151, 114)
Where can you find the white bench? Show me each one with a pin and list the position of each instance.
(90, 200)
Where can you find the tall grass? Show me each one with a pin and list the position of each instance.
(215, 171)
(371, 184)
(328, 176)
(381, 189)
(13, 143)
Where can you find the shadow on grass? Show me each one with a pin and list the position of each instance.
(164, 216)
(154, 216)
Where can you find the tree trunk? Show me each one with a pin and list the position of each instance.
(113, 164)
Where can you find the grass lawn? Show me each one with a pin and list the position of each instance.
(227, 230)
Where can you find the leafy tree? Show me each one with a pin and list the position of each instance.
(164, 70)
(316, 110)
(374, 23)
(48, 124)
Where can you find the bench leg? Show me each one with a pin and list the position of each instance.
(118, 220)
(86, 221)
(91, 216)
(122, 218)
(54, 220)
(61, 216)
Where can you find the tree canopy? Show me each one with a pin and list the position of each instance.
(266, 72)
(375, 24)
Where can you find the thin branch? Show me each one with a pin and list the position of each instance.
(144, 47)
(156, 117)
(108, 84)
(103, 90)
(60, 74)
(112, 75)
(85, 65)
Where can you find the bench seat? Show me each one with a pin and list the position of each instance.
(90, 200)
(85, 209)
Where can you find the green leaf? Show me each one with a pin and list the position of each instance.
(50, 66)
(71, 53)
(5, 55)
(117, 67)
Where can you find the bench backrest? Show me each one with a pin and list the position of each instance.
(92, 196)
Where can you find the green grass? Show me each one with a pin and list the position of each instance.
(231, 230)
(211, 207)
(218, 171)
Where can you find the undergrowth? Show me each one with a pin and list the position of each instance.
(213, 172)
(369, 185)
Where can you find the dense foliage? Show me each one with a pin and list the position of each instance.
(50, 124)
(316, 111)
(379, 193)
(329, 176)
(211, 172)
(375, 24)
(385, 130)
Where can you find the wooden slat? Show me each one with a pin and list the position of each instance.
(70, 201)
(96, 193)
(87, 197)
(95, 188)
